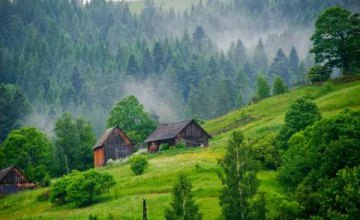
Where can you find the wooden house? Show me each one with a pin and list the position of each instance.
(113, 144)
(189, 132)
(13, 180)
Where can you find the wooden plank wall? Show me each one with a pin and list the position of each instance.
(99, 159)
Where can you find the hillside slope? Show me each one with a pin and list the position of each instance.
(125, 200)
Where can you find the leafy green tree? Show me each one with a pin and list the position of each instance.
(319, 74)
(279, 86)
(341, 197)
(86, 141)
(301, 114)
(129, 114)
(320, 167)
(239, 179)
(73, 142)
(262, 87)
(183, 205)
(30, 150)
(336, 40)
(138, 164)
(13, 109)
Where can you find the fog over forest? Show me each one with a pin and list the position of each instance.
(83, 57)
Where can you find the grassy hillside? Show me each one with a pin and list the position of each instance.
(125, 200)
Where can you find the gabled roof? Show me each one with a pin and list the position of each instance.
(168, 131)
(105, 136)
(4, 172)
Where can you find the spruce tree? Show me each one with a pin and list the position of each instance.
(280, 66)
(294, 62)
(262, 87)
(183, 205)
(279, 86)
(260, 60)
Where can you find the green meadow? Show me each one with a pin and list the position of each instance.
(200, 164)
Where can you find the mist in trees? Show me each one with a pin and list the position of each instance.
(80, 57)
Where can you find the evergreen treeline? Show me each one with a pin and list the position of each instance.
(69, 56)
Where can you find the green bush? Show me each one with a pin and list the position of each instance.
(180, 144)
(319, 74)
(266, 152)
(43, 196)
(58, 190)
(81, 188)
(164, 146)
(326, 88)
(138, 164)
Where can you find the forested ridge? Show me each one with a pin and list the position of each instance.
(82, 58)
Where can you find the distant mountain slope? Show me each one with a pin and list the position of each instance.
(125, 200)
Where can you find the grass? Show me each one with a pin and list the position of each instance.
(125, 199)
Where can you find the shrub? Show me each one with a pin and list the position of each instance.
(319, 74)
(58, 190)
(326, 88)
(266, 152)
(164, 146)
(180, 144)
(81, 188)
(43, 196)
(138, 164)
(93, 217)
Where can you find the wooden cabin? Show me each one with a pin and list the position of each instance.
(13, 180)
(189, 132)
(113, 144)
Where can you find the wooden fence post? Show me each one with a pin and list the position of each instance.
(144, 210)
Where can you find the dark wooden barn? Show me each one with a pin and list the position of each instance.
(113, 144)
(190, 132)
(13, 180)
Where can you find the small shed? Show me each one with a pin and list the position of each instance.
(113, 144)
(13, 180)
(189, 132)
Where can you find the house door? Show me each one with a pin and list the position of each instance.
(99, 159)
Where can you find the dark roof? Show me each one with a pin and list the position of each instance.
(105, 136)
(4, 172)
(168, 131)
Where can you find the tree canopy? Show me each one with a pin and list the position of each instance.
(301, 114)
(131, 117)
(74, 139)
(321, 167)
(28, 149)
(14, 106)
(336, 40)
